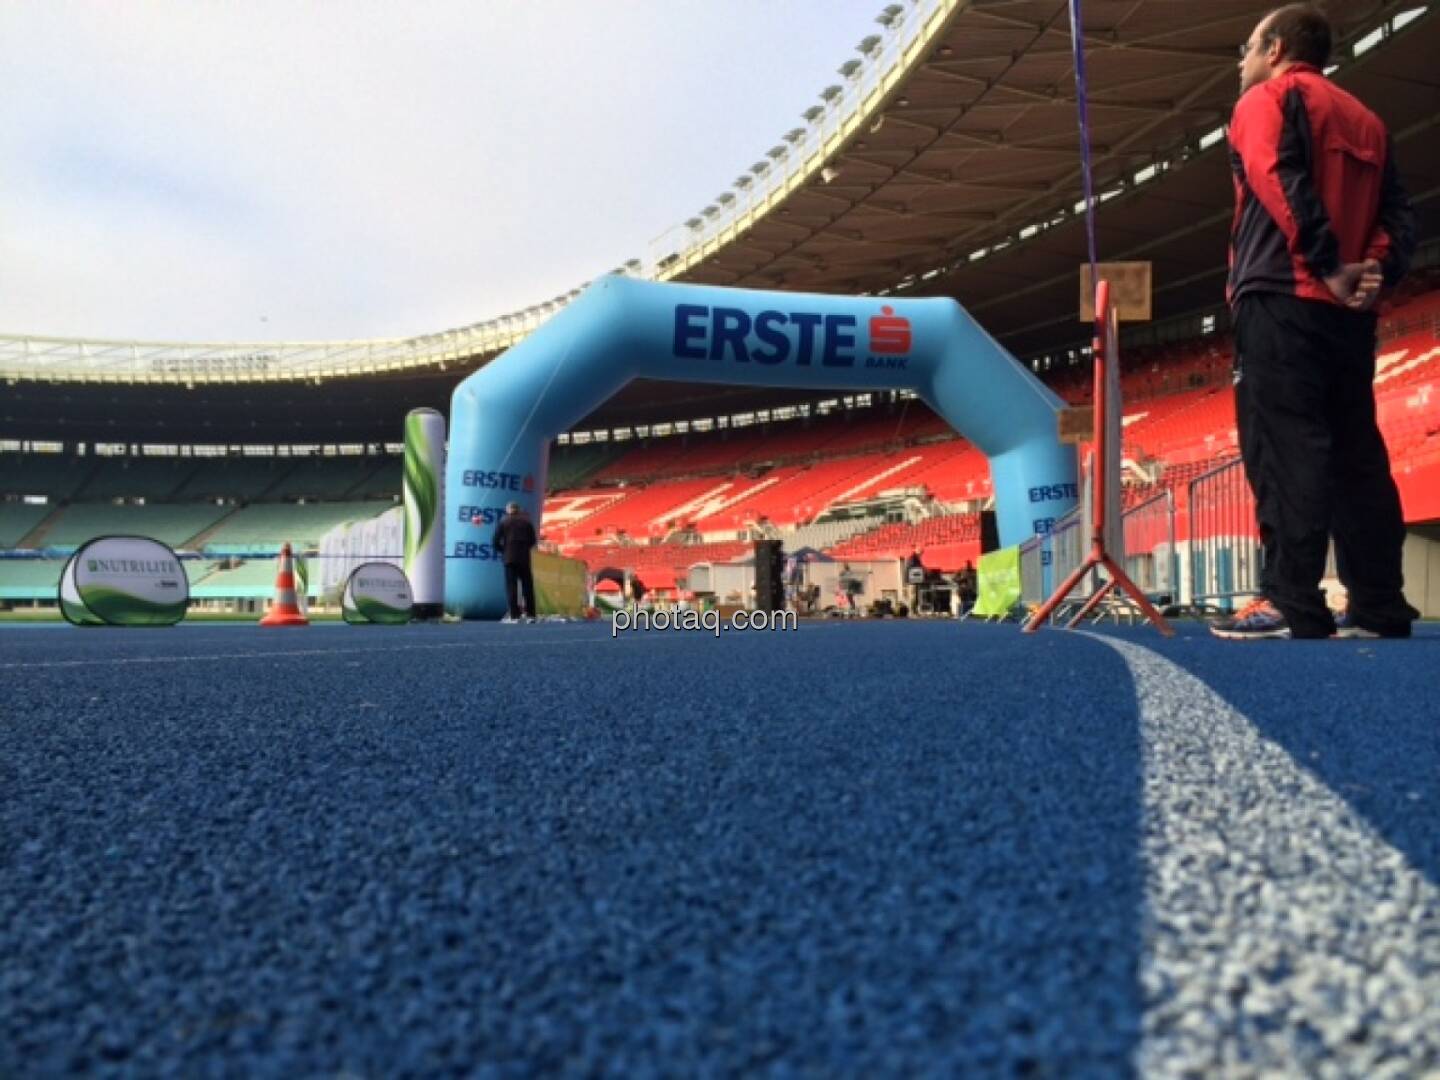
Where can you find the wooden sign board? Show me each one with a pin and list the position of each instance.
(1129, 290)
(1077, 423)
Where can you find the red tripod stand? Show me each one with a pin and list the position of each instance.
(1105, 349)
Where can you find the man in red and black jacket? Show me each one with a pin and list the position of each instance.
(1322, 227)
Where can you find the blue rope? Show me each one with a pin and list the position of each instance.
(1077, 45)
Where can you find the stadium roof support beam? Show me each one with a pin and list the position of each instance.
(983, 216)
(1162, 108)
(996, 142)
(901, 121)
(902, 171)
(819, 193)
(1027, 209)
(954, 177)
(1132, 252)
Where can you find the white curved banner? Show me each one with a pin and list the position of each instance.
(124, 581)
(377, 592)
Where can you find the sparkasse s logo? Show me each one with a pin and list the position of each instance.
(889, 333)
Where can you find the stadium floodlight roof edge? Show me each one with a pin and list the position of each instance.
(33, 357)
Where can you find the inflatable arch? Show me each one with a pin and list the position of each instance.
(504, 416)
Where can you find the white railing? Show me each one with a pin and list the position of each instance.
(802, 154)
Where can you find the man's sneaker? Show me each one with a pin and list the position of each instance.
(1347, 627)
(1256, 620)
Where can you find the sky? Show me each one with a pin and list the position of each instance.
(305, 170)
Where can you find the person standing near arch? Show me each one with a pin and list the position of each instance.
(515, 539)
(1322, 226)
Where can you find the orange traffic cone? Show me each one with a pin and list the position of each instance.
(284, 610)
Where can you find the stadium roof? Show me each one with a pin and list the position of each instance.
(966, 181)
(945, 165)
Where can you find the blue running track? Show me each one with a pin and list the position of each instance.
(876, 849)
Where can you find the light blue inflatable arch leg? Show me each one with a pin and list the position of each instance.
(504, 417)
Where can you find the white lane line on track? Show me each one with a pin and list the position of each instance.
(281, 654)
(1282, 934)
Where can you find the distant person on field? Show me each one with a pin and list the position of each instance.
(850, 586)
(1322, 228)
(967, 586)
(514, 540)
(912, 563)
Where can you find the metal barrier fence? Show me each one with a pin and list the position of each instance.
(1034, 554)
(1151, 558)
(1069, 544)
(1047, 560)
(1225, 549)
(1222, 554)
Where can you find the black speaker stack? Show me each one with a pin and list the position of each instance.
(989, 533)
(769, 575)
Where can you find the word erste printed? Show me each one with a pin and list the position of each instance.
(804, 338)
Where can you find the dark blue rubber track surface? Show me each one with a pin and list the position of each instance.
(875, 849)
(1363, 716)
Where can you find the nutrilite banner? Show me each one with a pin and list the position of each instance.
(377, 593)
(124, 581)
(70, 605)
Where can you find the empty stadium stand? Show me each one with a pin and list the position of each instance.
(54, 476)
(384, 481)
(17, 519)
(572, 465)
(946, 543)
(235, 478)
(666, 503)
(29, 579)
(149, 478)
(1179, 422)
(252, 580)
(826, 534)
(172, 523)
(323, 478)
(659, 564)
(261, 527)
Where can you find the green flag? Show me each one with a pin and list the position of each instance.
(999, 583)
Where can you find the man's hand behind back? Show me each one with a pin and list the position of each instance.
(1356, 285)
(1367, 288)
